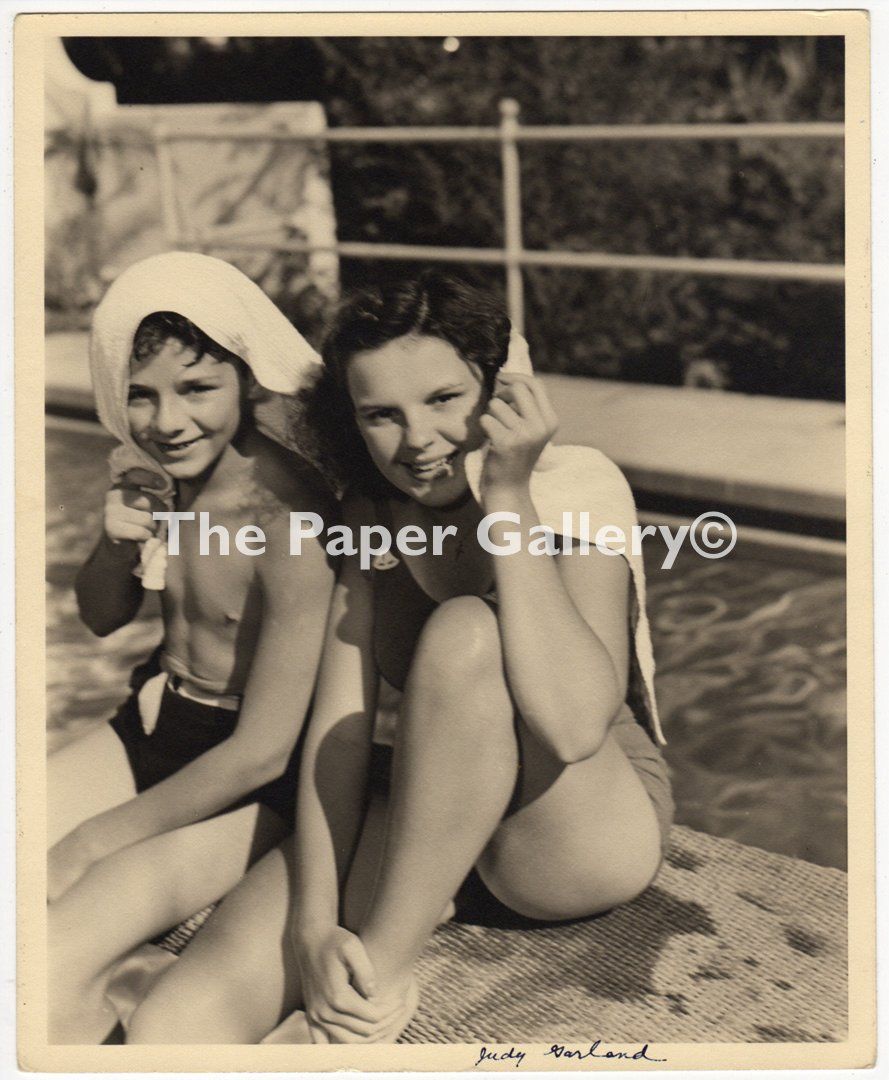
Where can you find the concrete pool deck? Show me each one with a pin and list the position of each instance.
(773, 454)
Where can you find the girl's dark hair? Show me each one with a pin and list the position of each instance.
(157, 328)
(432, 305)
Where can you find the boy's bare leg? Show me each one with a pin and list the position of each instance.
(133, 895)
(239, 977)
(87, 777)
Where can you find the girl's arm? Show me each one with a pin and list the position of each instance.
(564, 621)
(295, 598)
(564, 624)
(333, 773)
(338, 980)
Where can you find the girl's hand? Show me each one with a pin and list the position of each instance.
(519, 422)
(129, 505)
(338, 984)
(67, 862)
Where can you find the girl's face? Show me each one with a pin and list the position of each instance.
(184, 411)
(417, 404)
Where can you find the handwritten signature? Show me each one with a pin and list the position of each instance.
(579, 1055)
(517, 1057)
(513, 1055)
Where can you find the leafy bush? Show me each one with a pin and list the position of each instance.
(750, 199)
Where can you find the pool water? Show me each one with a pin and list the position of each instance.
(750, 671)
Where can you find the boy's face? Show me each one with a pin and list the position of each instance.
(184, 410)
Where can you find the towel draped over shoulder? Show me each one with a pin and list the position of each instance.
(573, 480)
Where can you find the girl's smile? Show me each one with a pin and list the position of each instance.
(431, 470)
(417, 404)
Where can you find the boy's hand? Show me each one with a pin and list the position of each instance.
(519, 422)
(338, 989)
(129, 506)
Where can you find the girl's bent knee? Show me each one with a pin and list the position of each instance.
(461, 634)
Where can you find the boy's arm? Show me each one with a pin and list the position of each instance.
(296, 594)
(108, 593)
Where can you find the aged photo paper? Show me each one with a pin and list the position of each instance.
(673, 208)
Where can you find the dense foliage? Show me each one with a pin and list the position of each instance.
(746, 199)
(756, 199)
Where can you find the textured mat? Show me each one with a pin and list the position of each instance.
(730, 944)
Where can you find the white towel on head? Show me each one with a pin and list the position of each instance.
(576, 479)
(230, 309)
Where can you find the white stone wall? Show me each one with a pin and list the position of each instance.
(103, 192)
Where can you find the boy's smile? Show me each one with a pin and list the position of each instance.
(417, 405)
(183, 409)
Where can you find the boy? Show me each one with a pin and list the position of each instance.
(159, 812)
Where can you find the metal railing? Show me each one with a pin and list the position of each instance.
(513, 256)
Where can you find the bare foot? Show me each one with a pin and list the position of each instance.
(294, 1030)
(410, 993)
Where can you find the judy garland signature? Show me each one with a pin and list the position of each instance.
(557, 1050)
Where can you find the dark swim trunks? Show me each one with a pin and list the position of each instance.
(184, 730)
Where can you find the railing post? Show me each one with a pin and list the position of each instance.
(167, 185)
(512, 212)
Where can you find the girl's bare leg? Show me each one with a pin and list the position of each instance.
(588, 830)
(454, 772)
(88, 776)
(583, 838)
(133, 895)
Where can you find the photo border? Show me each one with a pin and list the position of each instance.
(30, 31)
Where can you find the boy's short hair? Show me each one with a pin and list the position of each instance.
(159, 327)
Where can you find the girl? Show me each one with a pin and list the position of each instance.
(524, 782)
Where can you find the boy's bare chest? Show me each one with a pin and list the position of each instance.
(210, 580)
